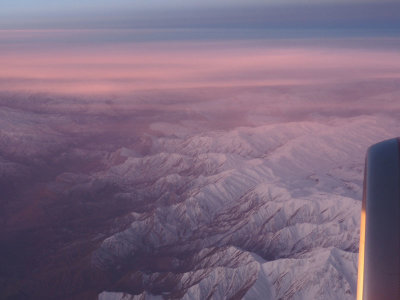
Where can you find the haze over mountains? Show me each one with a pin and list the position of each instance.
(233, 193)
(189, 149)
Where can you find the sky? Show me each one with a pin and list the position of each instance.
(44, 14)
(100, 47)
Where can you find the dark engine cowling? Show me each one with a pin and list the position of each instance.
(379, 256)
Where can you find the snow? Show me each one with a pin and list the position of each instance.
(268, 208)
(289, 193)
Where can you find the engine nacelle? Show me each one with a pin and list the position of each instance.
(379, 254)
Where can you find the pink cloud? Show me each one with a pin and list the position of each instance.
(128, 67)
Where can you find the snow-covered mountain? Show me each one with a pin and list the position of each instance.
(133, 203)
(286, 197)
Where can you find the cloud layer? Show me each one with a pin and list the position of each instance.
(59, 62)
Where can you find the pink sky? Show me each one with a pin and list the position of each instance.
(120, 68)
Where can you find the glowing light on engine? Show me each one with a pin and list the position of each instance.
(360, 280)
